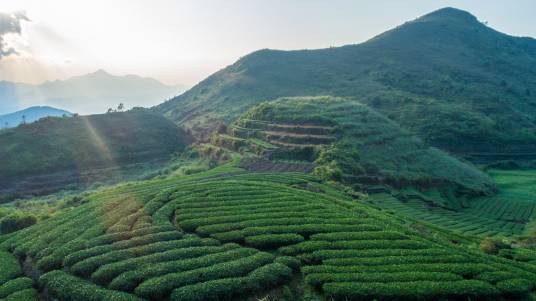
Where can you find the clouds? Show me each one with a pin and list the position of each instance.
(10, 23)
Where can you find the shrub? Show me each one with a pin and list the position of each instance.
(291, 262)
(515, 287)
(128, 281)
(55, 260)
(70, 288)
(314, 245)
(307, 229)
(321, 278)
(262, 278)
(124, 244)
(395, 260)
(269, 275)
(28, 294)
(15, 285)
(167, 262)
(358, 236)
(327, 254)
(10, 267)
(492, 245)
(115, 237)
(409, 290)
(272, 241)
(494, 277)
(88, 266)
(467, 270)
(306, 246)
(379, 244)
(219, 289)
(160, 287)
(15, 222)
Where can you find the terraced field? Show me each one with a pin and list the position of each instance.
(507, 213)
(286, 134)
(231, 234)
(355, 145)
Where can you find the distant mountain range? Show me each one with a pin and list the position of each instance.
(29, 115)
(447, 77)
(91, 93)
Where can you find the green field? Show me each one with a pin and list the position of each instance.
(227, 234)
(355, 145)
(507, 213)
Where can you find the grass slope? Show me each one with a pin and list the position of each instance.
(229, 234)
(63, 149)
(354, 144)
(450, 79)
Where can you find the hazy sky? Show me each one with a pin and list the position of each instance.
(185, 41)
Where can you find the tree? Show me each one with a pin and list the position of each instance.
(109, 111)
(120, 107)
(23, 119)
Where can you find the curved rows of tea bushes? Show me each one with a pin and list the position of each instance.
(488, 216)
(123, 245)
(13, 284)
(347, 251)
(227, 236)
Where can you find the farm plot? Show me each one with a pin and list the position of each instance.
(226, 236)
(506, 213)
(122, 246)
(347, 251)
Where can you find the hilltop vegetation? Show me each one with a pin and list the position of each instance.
(353, 144)
(55, 152)
(229, 234)
(446, 77)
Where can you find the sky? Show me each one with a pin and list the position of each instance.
(182, 41)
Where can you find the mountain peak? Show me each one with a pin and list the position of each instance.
(100, 72)
(449, 14)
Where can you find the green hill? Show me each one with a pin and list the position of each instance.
(54, 152)
(456, 83)
(353, 144)
(229, 234)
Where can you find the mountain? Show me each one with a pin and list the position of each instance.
(30, 114)
(455, 82)
(90, 93)
(56, 152)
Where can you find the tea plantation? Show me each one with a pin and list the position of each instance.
(355, 145)
(510, 212)
(229, 234)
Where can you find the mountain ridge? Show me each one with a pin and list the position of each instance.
(30, 114)
(435, 65)
(93, 92)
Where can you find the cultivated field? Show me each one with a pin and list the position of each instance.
(229, 234)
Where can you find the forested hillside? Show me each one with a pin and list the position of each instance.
(57, 151)
(452, 80)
